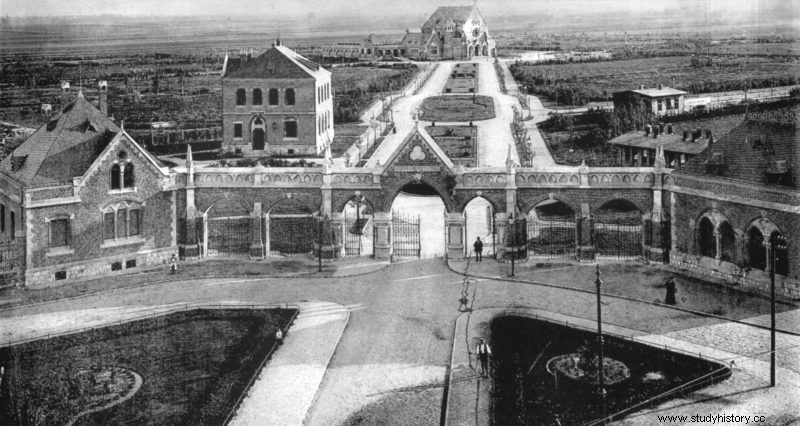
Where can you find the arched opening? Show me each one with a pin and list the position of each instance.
(706, 241)
(116, 183)
(418, 222)
(485, 50)
(358, 213)
(618, 229)
(273, 97)
(396, 52)
(551, 230)
(727, 242)
(779, 247)
(258, 131)
(240, 97)
(479, 223)
(292, 230)
(756, 251)
(128, 180)
(257, 97)
(477, 50)
(227, 228)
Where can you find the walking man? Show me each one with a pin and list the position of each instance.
(484, 352)
(478, 246)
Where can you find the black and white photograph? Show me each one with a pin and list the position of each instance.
(375, 212)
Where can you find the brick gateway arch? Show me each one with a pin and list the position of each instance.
(513, 192)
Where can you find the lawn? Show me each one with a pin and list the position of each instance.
(357, 87)
(462, 108)
(460, 143)
(194, 365)
(527, 351)
(463, 79)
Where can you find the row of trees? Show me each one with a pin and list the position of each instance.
(348, 103)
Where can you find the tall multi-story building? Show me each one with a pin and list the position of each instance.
(276, 103)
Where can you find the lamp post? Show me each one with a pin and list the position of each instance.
(512, 239)
(320, 229)
(600, 385)
(777, 242)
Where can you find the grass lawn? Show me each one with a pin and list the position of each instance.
(194, 365)
(525, 392)
(457, 108)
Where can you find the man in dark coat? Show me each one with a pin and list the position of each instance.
(478, 246)
(670, 299)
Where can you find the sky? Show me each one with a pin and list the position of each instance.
(766, 9)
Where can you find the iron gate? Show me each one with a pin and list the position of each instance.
(620, 239)
(354, 227)
(517, 239)
(405, 235)
(551, 238)
(229, 236)
(292, 235)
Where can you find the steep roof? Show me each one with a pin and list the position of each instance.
(419, 149)
(63, 148)
(277, 62)
(750, 150)
(442, 14)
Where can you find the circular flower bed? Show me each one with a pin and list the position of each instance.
(574, 367)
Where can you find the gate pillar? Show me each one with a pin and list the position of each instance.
(382, 234)
(454, 224)
(189, 246)
(256, 243)
(501, 222)
(337, 229)
(585, 242)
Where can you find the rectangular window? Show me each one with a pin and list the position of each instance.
(133, 222)
(122, 223)
(61, 275)
(290, 128)
(116, 266)
(2, 218)
(108, 226)
(130, 263)
(660, 105)
(237, 130)
(59, 233)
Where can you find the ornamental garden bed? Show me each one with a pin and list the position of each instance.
(460, 143)
(461, 108)
(463, 79)
(183, 368)
(546, 373)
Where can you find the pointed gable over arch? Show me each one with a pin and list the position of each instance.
(419, 153)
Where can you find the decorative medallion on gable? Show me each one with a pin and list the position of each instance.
(419, 152)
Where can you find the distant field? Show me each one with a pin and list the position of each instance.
(595, 81)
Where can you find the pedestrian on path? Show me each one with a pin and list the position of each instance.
(173, 264)
(484, 352)
(670, 298)
(478, 246)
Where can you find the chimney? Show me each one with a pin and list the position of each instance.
(278, 41)
(660, 86)
(647, 129)
(641, 87)
(685, 135)
(64, 93)
(102, 87)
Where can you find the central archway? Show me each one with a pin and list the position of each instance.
(418, 222)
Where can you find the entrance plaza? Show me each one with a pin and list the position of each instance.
(381, 342)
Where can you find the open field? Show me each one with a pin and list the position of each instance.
(194, 365)
(579, 83)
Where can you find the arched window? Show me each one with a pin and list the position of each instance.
(273, 96)
(240, 97)
(780, 252)
(756, 250)
(290, 128)
(289, 96)
(706, 242)
(257, 99)
(727, 242)
(127, 176)
(115, 177)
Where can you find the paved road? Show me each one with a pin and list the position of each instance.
(397, 345)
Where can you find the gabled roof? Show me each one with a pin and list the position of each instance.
(750, 149)
(442, 14)
(62, 148)
(419, 149)
(277, 62)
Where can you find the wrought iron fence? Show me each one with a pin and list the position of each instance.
(551, 238)
(354, 230)
(619, 239)
(229, 236)
(517, 239)
(405, 235)
(292, 235)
